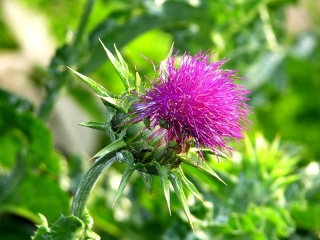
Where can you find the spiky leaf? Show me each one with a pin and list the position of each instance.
(118, 144)
(101, 126)
(130, 168)
(165, 182)
(103, 93)
(186, 182)
(194, 160)
(147, 179)
(175, 180)
(96, 87)
(121, 67)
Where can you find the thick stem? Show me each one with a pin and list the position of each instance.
(91, 177)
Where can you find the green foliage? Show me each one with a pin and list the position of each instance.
(69, 227)
(30, 167)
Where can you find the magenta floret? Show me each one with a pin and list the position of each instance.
(196, 100)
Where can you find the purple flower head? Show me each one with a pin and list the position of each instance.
(195, 101)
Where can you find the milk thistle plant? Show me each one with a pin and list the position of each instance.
(190, 107)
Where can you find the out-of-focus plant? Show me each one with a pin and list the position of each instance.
(268, 197)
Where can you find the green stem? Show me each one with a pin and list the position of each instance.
(91, 177)
(51, 98)
(83, 22)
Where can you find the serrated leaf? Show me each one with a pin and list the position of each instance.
(175, 180)
(193, 159)
(101, 126)
(130, 168)
(147, 180)
(121, 67)
(186, 182)
(165, 182)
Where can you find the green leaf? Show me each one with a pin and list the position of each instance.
(127, 157)
(306, 216)
(23, 203)
(121, 67)
(116, 145)
(66, 227)
(147, 180)
(30, 167)
(165, 182)
(96, 87)
(175, 180)
(194, 160)
(185, 181)
(101, 126)
(121, 104)
(43, 231)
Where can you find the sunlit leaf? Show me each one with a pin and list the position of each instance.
(121, 104)
(122, 68)
(178, 189)
(165, 182)
(186, 182)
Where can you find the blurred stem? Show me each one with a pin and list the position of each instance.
(91, 177)
(83, 21)
(50, 99)
(267, 26)
(69, 55)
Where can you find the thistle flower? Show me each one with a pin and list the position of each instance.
(195, 101)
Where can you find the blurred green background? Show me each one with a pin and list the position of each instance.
(273, 187)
